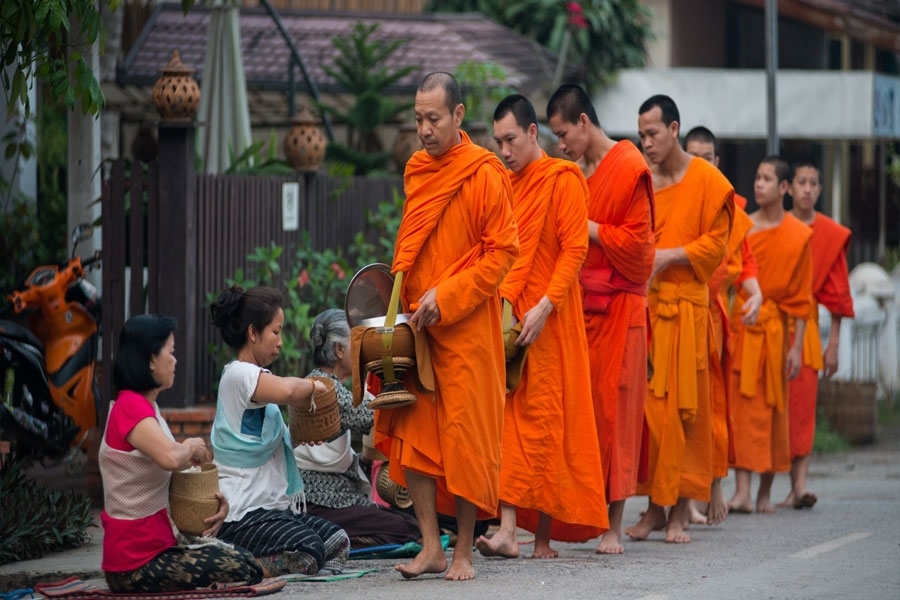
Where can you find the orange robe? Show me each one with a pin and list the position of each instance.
(457, 235)
(759, 409)
(737, 265)
(696, 213)
(830, 288)
(551, 457)
(615, 277)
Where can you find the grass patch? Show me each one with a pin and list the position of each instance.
(827, 440)
(889, 410)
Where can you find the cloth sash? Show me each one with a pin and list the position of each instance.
(238, 450)
(335, 456)
(768, 332)
(600, 284)
(812, 344)
(676, 311)
(430, 184)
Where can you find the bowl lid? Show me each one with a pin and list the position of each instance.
(369, 293)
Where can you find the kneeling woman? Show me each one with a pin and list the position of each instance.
(336, 487)
(251, 442)
(137, 456)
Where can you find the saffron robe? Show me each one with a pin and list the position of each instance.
(737, 265)
(758, 382)
(457, 235)
(615, 277)
(831, 289)
(695, 213)
(551, 456)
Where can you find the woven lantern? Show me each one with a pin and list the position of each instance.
(304, 144)
(176, 93)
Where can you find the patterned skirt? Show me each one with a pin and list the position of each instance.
(284, 542)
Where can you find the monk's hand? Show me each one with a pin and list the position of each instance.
(428, 313)
(794, 361)
(661, 261)
(751, 308)
(533, 322)
(215, 521)
(830, 358)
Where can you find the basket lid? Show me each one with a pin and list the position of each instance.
(369, 293)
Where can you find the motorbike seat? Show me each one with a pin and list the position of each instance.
(14, 331)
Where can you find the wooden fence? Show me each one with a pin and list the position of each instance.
(232, 215)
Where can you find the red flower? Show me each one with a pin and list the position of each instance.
(303, 278)
(576, 15)
(337, 270)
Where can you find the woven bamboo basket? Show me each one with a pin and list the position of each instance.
(851, 408)
(321, 424)
(403, 343)
(390, 491)
(192, 498)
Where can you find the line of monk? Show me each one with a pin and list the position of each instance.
(615, 268)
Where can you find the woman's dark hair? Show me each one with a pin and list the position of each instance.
(236, 309)
(142, 337)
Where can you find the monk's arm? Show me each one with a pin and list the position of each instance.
(707, 251)
(835, 296)
(753, 302)
(630, 245)
(457, 296)
(797, 303)
(795, 354)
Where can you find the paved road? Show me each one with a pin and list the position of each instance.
(847, 547)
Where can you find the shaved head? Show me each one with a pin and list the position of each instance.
(446, 82)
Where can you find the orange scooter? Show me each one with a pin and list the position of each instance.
(63, 314)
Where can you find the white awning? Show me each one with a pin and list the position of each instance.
(823, 105)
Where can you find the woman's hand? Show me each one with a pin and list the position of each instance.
(215, 521)
(200, 454)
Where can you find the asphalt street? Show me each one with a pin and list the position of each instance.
(846, 547)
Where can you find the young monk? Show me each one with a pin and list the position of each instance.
(456, 242)
(614, 281)
(738, 267)
(551, 477)
(694, 211)
(765, 359)
(830, 288)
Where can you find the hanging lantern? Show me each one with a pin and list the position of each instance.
(176, 94)
(304, 144)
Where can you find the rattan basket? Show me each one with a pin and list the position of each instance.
(403, 343)
(320, 425)
(192, 498)
(390, 491)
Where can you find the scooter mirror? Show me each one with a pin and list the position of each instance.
(82, 232)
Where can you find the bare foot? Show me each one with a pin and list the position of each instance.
(653, 519)
(718, 509)
(542, 549)
(787, 502)
(422, 563)
(805, 500)
(764, 506)
(610, 544)
(498, 545)
(696, 515)
(740, 504)
(675, 533)
(463, 566)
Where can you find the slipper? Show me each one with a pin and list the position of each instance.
(807, 500)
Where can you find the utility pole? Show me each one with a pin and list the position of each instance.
(771, 18)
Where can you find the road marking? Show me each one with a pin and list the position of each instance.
(833, 544)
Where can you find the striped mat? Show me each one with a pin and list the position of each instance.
(73, 587)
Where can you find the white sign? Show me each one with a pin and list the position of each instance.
(290, 206)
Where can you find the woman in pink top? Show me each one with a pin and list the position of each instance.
(137, 457)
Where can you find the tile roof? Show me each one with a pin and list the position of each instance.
(436, 42)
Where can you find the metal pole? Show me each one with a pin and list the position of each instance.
(772, 146)
(295, 53)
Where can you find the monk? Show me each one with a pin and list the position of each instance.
(551, 477)
(831, 289)
(738, 267)
(614, 280)
(765, 358)
(456, 242)
(694, 210)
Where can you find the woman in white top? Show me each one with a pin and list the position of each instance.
(252, 445)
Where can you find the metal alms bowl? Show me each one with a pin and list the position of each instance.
(369, 294)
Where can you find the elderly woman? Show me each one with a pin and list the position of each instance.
(252, 444)
(137, 457)
(336, 487)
